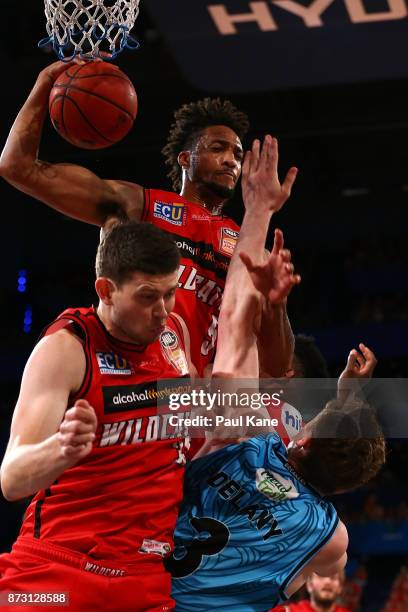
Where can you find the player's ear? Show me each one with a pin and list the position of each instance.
(105, 288)
(184, 159)
(308, 585)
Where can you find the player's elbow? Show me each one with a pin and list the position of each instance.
(9, 487)
(16, 172)
(7, 490)
(9, 495)
(12, 494)
(6, 169)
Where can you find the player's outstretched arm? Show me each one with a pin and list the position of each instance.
(45, 437)
(263, 195)
(70, 189)
(241, 306)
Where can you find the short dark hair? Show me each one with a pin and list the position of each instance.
(190, 120)
(346, 450)
(309, 356)
(130, 247)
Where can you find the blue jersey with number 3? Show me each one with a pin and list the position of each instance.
(247, 526)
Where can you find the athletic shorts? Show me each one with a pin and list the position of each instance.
(34, 567)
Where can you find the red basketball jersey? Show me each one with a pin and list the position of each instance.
(206, 243)
(121, 501)
(303, 606)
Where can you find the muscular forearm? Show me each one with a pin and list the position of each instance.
(241, 305)
(275, 338)
(30, 467)
(275, 341)
(239, 287)
(252, 239)
(21, 148)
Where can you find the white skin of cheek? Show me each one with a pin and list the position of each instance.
(133, 321)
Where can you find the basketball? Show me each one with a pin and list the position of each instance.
(93, 105)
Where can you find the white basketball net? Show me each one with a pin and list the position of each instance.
(89, 27)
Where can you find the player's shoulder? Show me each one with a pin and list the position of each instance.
(61, 340)
(127, 201)
(333, 553)
(264, 450)
(57, 359)
(272, 443)
(163, 196)
(266, 443)
(337, 545)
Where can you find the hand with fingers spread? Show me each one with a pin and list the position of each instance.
(275, 277)
(77, 431)
(260, 181)
(359, 366)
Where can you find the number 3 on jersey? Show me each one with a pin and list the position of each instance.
(217, 540)
(211, 337)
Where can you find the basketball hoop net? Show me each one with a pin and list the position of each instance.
(90, 28)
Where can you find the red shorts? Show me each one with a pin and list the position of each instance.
(95, 586)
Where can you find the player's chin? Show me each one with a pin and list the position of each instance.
(222, 189)
(326, 597)
(154, 334)
(147, 337)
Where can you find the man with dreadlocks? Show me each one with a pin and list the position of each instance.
(204, 155)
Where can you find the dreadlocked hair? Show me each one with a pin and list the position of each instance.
(190, 120)
(347, 448)
(310, 357)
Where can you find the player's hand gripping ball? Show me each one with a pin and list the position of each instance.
(93, 105)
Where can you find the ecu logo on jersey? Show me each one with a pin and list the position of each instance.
(172, 213)
(228, 240)
(111, 363)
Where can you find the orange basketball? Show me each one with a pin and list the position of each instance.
(93, 105)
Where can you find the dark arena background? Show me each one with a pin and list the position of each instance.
(333, 88)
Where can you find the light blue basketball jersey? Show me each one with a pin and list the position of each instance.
(247, 526)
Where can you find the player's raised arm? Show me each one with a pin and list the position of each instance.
(45, 438)
(241, 307)
(264, 195)
(70, 189)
